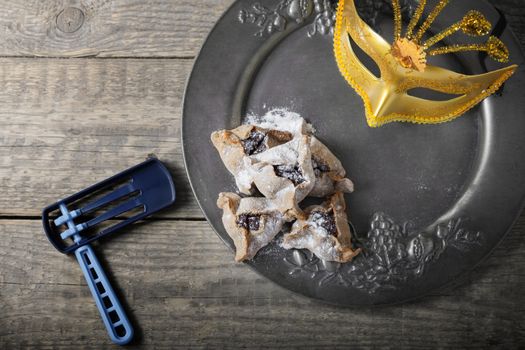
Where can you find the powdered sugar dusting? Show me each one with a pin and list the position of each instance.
(280, 159)
(324, 247)
(319, 223)
(273, 224)
(314, 237)
(244, 177)
(287, 153)
(281, 119)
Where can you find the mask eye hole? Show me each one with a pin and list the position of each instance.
(366, 60)
(433, 95)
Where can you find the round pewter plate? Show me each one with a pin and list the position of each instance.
(430, 201)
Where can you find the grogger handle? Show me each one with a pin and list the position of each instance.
(111, 311)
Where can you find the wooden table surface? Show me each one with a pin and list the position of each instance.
(67, 123)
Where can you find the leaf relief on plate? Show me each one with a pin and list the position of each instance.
(319, 14)
(392, 255)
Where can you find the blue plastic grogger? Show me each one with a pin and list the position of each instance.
(146, 188)
(117, 323)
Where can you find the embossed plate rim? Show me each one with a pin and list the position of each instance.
(202, 200)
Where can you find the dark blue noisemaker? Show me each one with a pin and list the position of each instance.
(83, 218)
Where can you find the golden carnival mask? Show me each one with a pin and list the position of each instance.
(403, 66)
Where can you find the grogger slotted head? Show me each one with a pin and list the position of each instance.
(83, 217)
(138, 192)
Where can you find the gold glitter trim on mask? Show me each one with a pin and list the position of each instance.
(430, 19)
(494, 47)
(415, 19)
(473, 24)
(398, 20)
(402, 66)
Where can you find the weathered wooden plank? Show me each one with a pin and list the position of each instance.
(179, 280)
(66, 124)
(184, 290)
(106, 28)
(44, 102)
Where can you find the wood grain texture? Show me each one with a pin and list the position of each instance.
(77, 111)
(183, 290)
(110, 28)
(131, 28)
(67, 124)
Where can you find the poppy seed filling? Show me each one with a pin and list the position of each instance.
(249, 221)
(254, 144)
(325, 220)
(290, 172)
